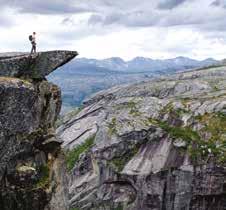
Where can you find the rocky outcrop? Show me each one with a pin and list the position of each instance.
(158, 145)
(34, 66)
(32, 176)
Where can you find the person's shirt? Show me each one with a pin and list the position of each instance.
(33, 38)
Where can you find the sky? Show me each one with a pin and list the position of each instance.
(157, 29)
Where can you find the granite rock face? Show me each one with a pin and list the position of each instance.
(158, 145)
(34, 66)
(32, 172)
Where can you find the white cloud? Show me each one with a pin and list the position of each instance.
(126, 28)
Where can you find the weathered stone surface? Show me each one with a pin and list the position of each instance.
(32, 172)
(25, 120)
(59, 199)
(159, 145)
(34, 66)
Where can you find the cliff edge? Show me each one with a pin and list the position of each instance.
(34, 66)
(31, 165)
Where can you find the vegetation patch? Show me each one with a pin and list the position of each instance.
(112, 127)
(73, 156)
(215, 125)
(119, 207)
(167, 109)
(181, 111)
(135, 112)
(44, 177)
(188, 135)
(176, 113)
(131, 106)
(120, 162)
(185, 133)
(109, 205)
(215, 88)
(185, 101)
(198, 147)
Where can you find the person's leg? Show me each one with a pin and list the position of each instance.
(35, 48)
(32, 48)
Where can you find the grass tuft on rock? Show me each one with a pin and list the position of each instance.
(73, 156)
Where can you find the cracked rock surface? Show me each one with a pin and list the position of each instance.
(158, 145)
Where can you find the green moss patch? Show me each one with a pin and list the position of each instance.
(44, 180)
(73, 156)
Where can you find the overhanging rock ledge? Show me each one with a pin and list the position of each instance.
(35, 66)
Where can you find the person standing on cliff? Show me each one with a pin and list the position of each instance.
(32, 39)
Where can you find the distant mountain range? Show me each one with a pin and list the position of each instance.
(142, 64)
(82, 77)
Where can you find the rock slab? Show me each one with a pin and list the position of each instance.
(35, 66)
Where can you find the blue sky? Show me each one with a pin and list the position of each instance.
(119, 28)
